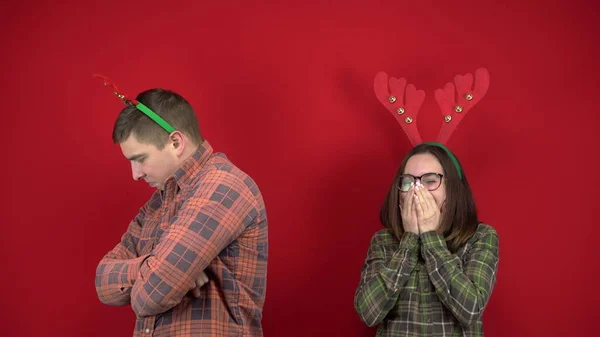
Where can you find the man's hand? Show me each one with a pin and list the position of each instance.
(201, 280)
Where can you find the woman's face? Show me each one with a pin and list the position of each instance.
(420, 165)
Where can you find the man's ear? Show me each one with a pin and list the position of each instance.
(177, 142)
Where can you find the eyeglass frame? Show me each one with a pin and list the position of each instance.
(419, 177)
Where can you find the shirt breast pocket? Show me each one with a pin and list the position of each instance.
(151, 233)
(411, 287)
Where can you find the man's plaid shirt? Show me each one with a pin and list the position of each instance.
(209, 217)
(416, 287)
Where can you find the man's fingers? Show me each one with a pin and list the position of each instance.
(201, 279)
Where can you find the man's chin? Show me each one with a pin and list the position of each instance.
(156, 185)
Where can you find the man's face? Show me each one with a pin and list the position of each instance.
(148, 162)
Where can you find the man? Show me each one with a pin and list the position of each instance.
(193, 261)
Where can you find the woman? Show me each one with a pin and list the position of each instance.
(431, 271)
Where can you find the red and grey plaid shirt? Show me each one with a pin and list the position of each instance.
(210, 217)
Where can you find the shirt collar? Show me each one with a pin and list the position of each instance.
(191, 166)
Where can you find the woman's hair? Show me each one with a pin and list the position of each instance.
(459, 217)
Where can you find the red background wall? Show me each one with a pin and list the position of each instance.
(285, 89)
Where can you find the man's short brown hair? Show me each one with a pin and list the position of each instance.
(172, 107)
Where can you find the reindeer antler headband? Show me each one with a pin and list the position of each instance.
(455, 100)
(132, 102)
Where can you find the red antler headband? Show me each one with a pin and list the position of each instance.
(156, 118)
(404, 102)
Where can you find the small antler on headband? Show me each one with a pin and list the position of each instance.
(116, 91)
(151, 114)
(403, 101)
(455, 100)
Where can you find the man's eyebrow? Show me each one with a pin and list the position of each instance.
(136, 157)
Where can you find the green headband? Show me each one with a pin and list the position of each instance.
(451, 155)
(138, 105)
(156, 118)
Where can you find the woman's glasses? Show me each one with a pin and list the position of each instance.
(431, 181)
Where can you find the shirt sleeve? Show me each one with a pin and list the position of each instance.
(216, 213)
(117, 271)
(383, 278)
(464, 290)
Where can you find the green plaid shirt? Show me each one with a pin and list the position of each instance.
(416, 287)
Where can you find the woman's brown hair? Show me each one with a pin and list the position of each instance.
(459, 217)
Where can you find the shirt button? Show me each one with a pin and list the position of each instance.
(148, 331)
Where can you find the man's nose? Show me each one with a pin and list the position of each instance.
(136, 171)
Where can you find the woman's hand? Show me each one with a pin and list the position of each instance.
(428, 213)
(409, 212)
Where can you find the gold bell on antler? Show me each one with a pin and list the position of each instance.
(400, 111)
(392, 99)
(448, 118)
(458, 108)
(469, 97)
(408, 120)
